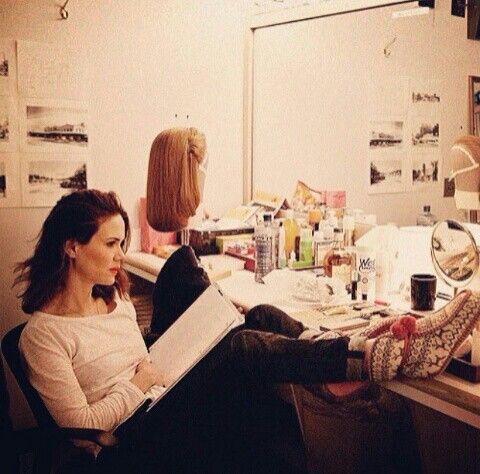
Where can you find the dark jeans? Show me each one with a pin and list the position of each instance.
(267, 349)
(211, 420)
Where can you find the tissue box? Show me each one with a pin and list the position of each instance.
(225, 241)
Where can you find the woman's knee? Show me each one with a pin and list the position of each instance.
(258, 313)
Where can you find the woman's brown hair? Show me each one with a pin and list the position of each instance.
(173, 193)
(76, 216)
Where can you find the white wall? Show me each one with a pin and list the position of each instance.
(147, 61)
(318, 83)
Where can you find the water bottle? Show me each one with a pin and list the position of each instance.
(264, 241)
(269, 221)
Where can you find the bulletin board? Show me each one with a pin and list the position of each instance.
(364, 101)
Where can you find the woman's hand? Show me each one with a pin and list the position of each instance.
(145, 375)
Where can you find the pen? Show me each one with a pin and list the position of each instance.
(443, 296)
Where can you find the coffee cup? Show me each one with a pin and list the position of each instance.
(423, 290)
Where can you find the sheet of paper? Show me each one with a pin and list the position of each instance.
(193, 335)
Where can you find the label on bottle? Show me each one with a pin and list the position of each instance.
(320, 250)
(366, 268)
(342, 272)
(264, 246)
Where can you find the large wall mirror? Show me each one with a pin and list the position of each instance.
(322, 92)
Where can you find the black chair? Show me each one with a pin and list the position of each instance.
(51, 436)
(9, 458)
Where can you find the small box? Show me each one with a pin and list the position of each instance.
(248, 259)
(225, 241)
(204, 241)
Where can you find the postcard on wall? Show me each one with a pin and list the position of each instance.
(51, 71)
(387, 175)
(9, 180)
(46, 180)
(58, 126)
(7, 67)
(425, 97)
(425, 170)
(425, 133)
(8, 124)
(386, 134)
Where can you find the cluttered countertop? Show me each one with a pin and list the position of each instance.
(325, 264)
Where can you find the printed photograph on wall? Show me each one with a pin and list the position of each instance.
(8, 135)
(57, 126)
(425, 170)
(425, 133)
(474, 104)
(386, 176)
(44, 181)
(423, 96)
(9, 180)
(7, 67)
(386, 134)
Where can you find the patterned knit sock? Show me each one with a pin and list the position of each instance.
(438, 336)
(423, 348)
(385, 357)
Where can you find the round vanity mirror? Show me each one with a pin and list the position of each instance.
(454, 253)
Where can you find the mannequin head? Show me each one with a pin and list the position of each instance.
(175, 178)
(465, 154)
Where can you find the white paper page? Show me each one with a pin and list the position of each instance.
(193, 335)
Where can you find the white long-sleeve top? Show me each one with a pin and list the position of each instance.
(82, 366)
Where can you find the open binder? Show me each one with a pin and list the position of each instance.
(190, 338)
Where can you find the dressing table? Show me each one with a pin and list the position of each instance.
(445, 410)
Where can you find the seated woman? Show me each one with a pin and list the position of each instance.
(85, 355)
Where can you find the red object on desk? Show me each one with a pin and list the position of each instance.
(248, 259)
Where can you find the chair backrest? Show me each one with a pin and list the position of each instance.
(12, 355)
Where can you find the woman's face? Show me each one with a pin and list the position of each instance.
(99, 260)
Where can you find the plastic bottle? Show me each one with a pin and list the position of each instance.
(264, 241)
(426, 218)
(314, 218)
(306, 245)
(273, 224)
(348, 228)
(282, 261)
(354, 286)
(338, 262)
(291, 231)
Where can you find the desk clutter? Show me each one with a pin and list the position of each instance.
(345, 318)
(341, 257)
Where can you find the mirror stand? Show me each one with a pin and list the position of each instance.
(473, 216)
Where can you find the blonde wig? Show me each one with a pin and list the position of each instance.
(173, 193)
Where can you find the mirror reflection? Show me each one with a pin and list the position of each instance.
(454, 253)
